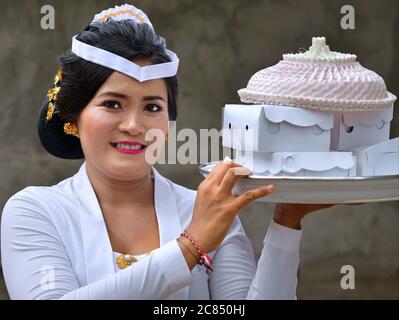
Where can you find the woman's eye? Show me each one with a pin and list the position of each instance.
(112, 104)
(152, 108)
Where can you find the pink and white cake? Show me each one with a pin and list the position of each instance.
(319, 79)
(317, 113)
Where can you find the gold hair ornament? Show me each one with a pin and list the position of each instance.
(71, 129)
(52, 95)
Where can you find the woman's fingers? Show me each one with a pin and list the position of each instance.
(231, 177)
(220, 170)
(213, 171)
(251, 195)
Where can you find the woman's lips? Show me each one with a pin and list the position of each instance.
(129, 147)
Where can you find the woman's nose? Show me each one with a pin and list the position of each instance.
(132, 125)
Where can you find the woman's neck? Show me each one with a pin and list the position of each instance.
(115, 193)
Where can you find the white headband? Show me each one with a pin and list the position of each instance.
(118, 63)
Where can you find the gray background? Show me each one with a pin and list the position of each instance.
(220, 44)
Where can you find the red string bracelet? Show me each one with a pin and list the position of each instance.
(204, 258)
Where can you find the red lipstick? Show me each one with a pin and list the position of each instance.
(129, 147)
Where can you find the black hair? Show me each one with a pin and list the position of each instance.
(81, 79)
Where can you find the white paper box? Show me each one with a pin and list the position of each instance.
(360, 129)
(334, 164)
(381, 159)
(266, 128)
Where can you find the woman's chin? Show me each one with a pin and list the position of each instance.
(129, 170)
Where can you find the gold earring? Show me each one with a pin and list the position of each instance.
(71, 129)
(167, 137)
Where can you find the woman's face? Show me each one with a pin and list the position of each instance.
(112, 127)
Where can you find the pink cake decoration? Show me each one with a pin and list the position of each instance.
(319, 79)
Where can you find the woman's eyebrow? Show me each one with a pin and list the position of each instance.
(122, 96)
(146, 98)
(114, 94)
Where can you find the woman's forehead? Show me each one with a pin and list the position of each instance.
(121, 83)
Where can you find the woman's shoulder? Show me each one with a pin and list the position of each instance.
(38, 198)
(62, 188)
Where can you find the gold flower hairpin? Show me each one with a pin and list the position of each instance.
(52, 95)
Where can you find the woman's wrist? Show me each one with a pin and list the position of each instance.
(189, 255)
(190, 248)
(286, 217)
(204, 242)
(204, 259)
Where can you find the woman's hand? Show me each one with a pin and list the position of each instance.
(215, 207)
(291, 214)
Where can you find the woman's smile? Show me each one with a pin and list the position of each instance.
(129, 147)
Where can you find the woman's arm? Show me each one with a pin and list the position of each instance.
(36, 264)
(291, 214)
(236, 275)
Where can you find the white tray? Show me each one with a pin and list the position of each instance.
(319, 189)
